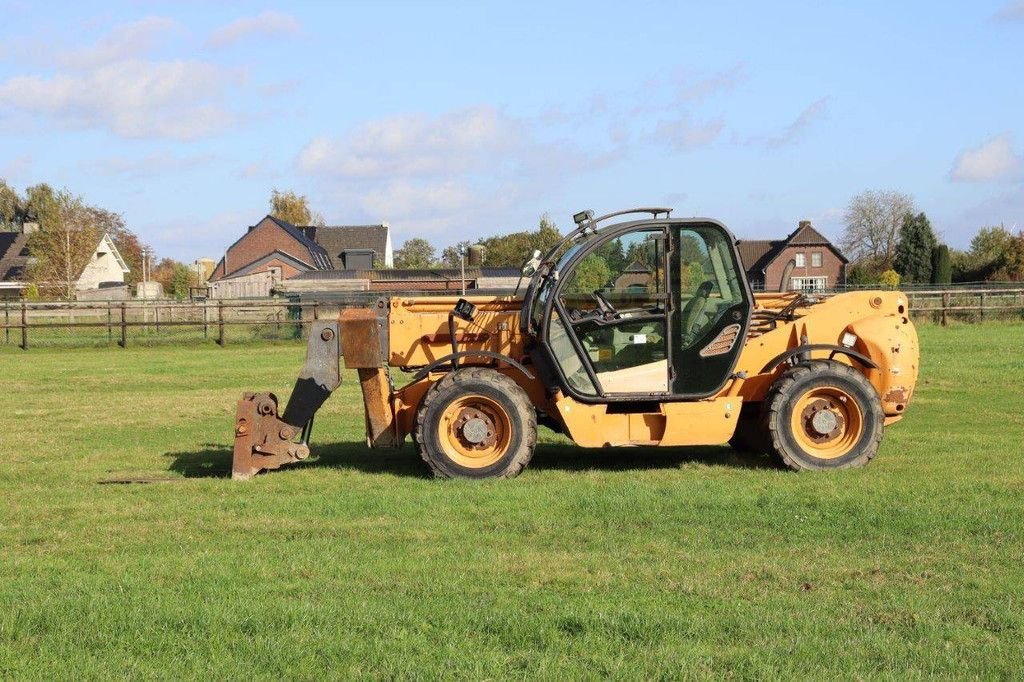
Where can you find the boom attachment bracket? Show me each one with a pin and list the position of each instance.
(266, 440)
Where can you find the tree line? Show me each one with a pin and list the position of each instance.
(501, 250)
(889, 242)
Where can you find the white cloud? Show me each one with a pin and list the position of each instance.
(795, 130)
(693, 90)
(132, 98)
(414, 145)
(1011, 11)
(123, 42)
(993, 160)
(437, 174)
(682, 134)
(266, 24)
(147, 166)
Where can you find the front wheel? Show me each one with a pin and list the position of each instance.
(824, 415)
(476, 423)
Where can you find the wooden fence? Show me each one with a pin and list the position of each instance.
(100, 323)
(976, 305)
(146, 322)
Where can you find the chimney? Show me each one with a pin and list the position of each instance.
(803, 224)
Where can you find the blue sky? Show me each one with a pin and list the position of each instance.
(455, 120)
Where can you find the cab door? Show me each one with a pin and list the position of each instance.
(609, 328)
(711, 304)
(648, 312)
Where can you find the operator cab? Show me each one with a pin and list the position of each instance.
(650, 310)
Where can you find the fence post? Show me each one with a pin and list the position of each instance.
(206, 319)
(220, 323)
(981, 307)
(24, 326)
(110, 321)
(158, 317)
(7, 322)
(124, 326)
(945, 307)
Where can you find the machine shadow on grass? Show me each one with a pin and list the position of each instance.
(214, 461)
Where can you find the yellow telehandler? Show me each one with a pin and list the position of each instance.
(643, 332)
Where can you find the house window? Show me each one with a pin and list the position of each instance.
(816, 259)
(808, 283)
(801, 261)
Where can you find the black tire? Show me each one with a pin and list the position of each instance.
(751, 433)
(490, 388)
(823, 376)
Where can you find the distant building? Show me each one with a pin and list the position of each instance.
(14, 258)
(203, 269)
(102, 277)
(817, 263)
(274, 250)
(106, 267)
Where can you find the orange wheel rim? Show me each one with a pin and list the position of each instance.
(827, 422)
(475, 431)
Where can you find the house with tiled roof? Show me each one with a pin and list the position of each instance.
(14, 257)
(105, 269)
(816, 263)
(274, 250)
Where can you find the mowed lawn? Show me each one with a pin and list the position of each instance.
(627, 563)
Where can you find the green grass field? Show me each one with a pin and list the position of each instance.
(629, 563)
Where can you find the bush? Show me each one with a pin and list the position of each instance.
(890, 279)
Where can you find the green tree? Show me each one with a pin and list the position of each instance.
(450, 257)
(913, 256)
(591, 274)
(513, 249)
(858, 275)
(181, 280)
(942, 269)
(989, 257)
(293, 208)
(11, 208)
(61, 250)
(415, 253)
(44, 205)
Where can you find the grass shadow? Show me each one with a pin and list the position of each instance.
(214, 460)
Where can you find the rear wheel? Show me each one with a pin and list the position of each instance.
(824, 415)
(476, 423)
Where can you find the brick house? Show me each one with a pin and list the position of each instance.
(273, 250)
(817, 263)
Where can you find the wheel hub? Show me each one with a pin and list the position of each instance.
(476, 428)
(822, 420)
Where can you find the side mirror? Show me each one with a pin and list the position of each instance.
(531, 265)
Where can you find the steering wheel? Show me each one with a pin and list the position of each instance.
(693, 309)
(604, 305)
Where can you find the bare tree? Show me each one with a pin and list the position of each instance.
(873, 220)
